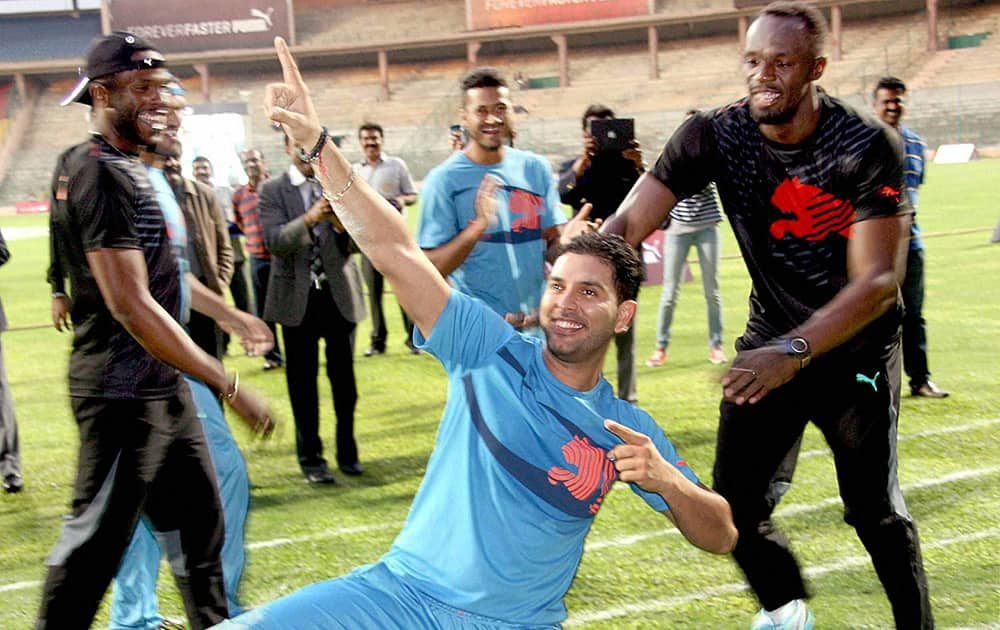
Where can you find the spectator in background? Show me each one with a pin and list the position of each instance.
(210, 254)
(693, 222)
(315, 293)
(247, 215)
(238, 286)
(10, 450)
(388, 175)
(889, 96)
(603, 179)
(500, 261)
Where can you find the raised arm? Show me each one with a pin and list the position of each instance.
(377, 228)
(701, 515)
(643, 210)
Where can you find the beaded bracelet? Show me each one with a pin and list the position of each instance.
(313, 155)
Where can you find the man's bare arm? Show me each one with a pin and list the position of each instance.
(450, 256)
(255, 336)
(378, 229)
(123, 281)
(643, 210)
(701, 515)
(874, 267)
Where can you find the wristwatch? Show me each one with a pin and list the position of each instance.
(797, 347)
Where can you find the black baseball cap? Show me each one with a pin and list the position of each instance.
(110, 54)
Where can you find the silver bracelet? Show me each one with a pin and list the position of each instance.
(337, 197)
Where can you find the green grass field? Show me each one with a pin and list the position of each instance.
(637, 573)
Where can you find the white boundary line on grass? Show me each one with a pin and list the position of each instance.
(665, 603)
(792, 510)
(620, 541)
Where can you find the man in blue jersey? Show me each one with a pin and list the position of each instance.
(525, 452)
(889, 96)
(490, 213)
(814, 194)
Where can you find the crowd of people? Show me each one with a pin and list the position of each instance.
(519, 303)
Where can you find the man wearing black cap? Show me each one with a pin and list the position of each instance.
(142, 450)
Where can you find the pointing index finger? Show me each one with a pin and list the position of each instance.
(289, 69)
(627, 435)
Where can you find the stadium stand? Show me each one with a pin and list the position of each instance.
(955, 93)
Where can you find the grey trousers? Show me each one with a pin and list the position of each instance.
(10, 451)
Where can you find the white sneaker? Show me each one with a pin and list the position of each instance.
(800, 618)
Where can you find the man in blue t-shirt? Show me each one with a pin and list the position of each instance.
(490, 213)
(889, 96)
(526, 451)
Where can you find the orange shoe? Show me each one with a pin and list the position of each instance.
(717, 356)
(658, 358)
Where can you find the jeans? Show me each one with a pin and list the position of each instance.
(675, 251)
(914, 326)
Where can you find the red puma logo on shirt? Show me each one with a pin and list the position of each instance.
(817, 213)
(593, 471)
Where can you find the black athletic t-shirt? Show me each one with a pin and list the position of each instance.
(104, 200)
(792, 206)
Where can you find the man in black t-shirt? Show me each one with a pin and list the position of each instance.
(142, 450)
(812, 190)
(603, 179)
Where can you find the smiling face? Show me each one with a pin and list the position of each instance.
(167, 139)
(371, 144)
(580, 311)
(132, 105)
(486, 116)
(889, 105)
(202, 171)
(780, 66)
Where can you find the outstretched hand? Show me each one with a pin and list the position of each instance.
(579, 224)
(288, 103)
(255, 337)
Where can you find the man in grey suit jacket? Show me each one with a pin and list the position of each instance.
(314, 292)
(10, 452)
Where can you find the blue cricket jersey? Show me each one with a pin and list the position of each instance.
(506, 268)
(518, 472)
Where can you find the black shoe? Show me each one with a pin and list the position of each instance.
(413, 348)
(320, 476)
(373, 350)
(272, 365)
(13, 483)
(353, 470)
(928, 390)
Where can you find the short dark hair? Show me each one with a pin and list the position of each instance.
(596, 111)
(812, 17)
(201, 158)
(370, 126)
(889, 83)
(484, 77)
(626, 266)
